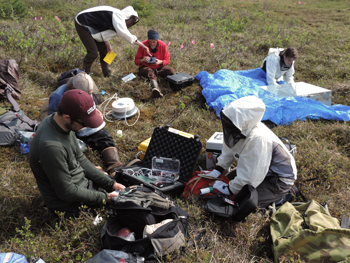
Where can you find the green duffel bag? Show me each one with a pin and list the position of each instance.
(310, 231)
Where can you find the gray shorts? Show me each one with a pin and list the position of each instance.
(272, 189)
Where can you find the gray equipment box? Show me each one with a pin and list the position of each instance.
(179, 81)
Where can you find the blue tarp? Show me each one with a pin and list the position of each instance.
(225, 86)
(13, 257)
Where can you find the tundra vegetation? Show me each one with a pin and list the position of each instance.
(40, 36)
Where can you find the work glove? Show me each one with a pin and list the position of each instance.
(214, 173)
(222, 187)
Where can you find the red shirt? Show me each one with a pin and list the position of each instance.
(162, 54)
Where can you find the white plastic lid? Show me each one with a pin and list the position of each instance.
(123, 105)
(166, 165)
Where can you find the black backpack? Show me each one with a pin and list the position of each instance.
(245, 202)
(139, 208)
(14, 120)
(65, 76)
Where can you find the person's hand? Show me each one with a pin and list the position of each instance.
(110, 195)
(109, 47)
(145, 59)
(222, 187)
(118, 187)
(159, 62)
(214, 173)
(145, 48)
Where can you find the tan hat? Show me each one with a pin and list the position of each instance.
(83, 82)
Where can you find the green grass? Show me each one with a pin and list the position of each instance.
(242, 32)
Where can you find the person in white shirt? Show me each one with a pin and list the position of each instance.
(280, 64)
(97, 25)
(263, 160)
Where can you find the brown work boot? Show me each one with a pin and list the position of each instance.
(106, 70)
(87, 67)
(110, 159)
(156, 93)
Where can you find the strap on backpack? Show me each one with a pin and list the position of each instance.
(8, 92)
(31, 123)
(15, 107)
(195, 180)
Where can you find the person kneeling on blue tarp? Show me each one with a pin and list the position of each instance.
(280, 64)
(263, 160)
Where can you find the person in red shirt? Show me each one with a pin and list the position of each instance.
(151, 67)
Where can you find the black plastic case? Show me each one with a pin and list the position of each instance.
(180, 81)
(165, 143)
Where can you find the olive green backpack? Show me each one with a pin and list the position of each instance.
(310, 231)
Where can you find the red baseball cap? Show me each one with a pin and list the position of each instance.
(79, 105)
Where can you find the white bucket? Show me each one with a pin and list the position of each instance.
(124, 108)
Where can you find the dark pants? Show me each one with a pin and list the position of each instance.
(93, 48)
(73, 210)
(270, 190)
(152, 74)
(99, 140)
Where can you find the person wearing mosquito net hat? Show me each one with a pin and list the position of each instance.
(263, 161)
(65, 177)
(98, 139)
(97, 25)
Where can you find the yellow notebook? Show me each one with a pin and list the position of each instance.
(109, 57)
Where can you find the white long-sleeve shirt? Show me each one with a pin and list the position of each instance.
(104, 22)
(261, 153)
(273, 70)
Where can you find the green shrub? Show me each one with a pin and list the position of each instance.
(13, 9)
(51, 42)
(144, 8)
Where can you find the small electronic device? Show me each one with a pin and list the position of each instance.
(152, 60)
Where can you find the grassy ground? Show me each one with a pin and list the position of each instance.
(241, 32)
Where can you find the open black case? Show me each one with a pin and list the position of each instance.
(166, 144)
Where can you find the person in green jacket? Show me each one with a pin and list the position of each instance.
(65, 177)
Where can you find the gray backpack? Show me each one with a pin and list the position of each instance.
(13, 121)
